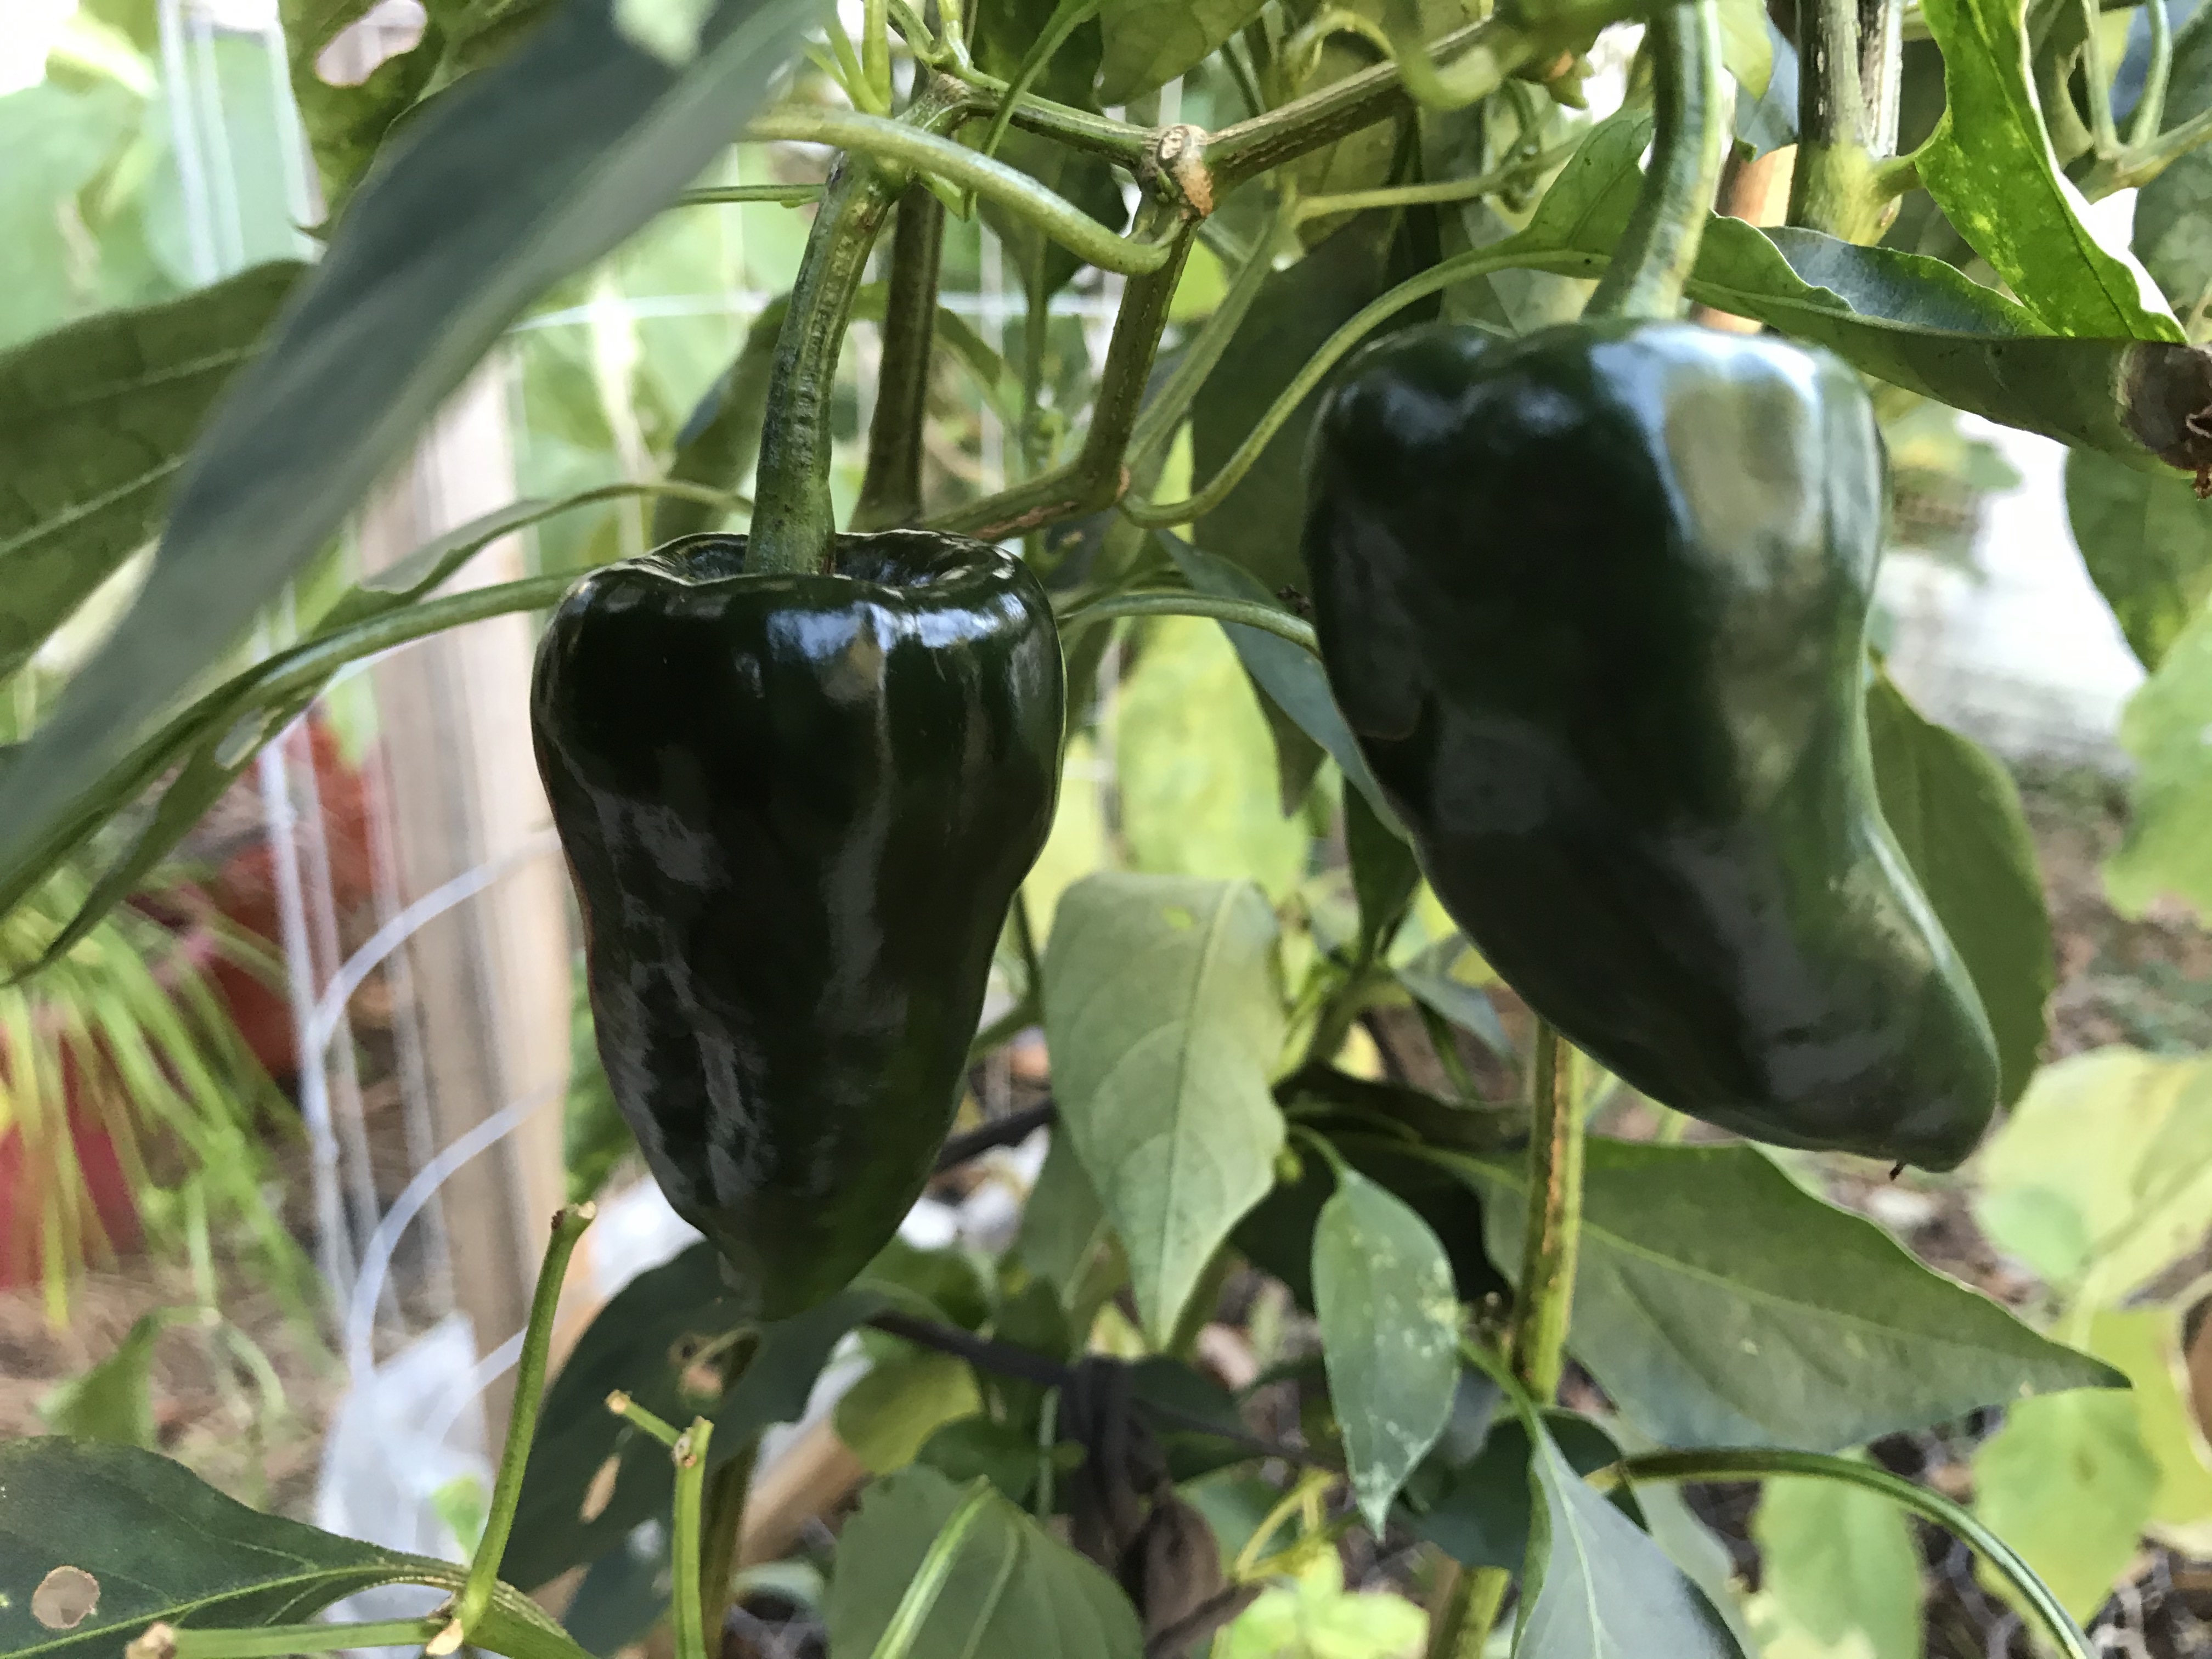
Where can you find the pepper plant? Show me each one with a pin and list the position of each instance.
(1558, 622)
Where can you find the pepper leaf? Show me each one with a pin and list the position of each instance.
(2146, 542)
(1990, 166)
(96, 419)
(1596, 1588)
(573, 141)
(1164, 1017)
(1150, 42)
(1013, 1588)
(1390, 1331)
(2173, 211)
(99, 1541)
(1956, 813)
(1839, 1568)
(2068, 1482)
(2165, 851)
(1795, 1325)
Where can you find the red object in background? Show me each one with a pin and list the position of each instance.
(114, 1215)
(244, 890)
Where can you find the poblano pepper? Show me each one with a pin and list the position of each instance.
(795, 809)
(1595, 601)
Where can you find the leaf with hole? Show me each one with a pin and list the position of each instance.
(1793, 1324)
(1013, 1588)
(1163, 1017)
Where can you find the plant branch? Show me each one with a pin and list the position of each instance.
(1096, 477)
(687, 1611)
(1760, 1465)
(1188, 602)
(1445, 189)
(739, 195)
(2150, 107)
(909, 146)
(476, 1593)
(1549, 1244)
(1462, 1631)
(890, 491)
(1850, 64)
(165, 1641)
(722, 1522)
(1658, 249)
(1156, 422)
(1011, 1130)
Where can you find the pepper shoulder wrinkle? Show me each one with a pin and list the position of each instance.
(1595, 603)
(795, 809)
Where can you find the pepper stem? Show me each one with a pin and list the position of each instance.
(794, 528)
(1659, 248)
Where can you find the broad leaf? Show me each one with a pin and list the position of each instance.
(1389, 1332)
(1788, 1323)
(889, 1415)
(2173, 211)
(1385, 876)
(345, 124)
(1428, 978)
(1838, 1571)
(2146, 1343)
(1989, 167)
(2067, 1483)
(1150, 42)
(1956, 813)
(1063, 1227)
(1292, 678)
(720, 440)
(96, 419)
(572, 142)
(2166, 851)
(1596, 1588)
(1162, 1010)
(141, 1539)
(2101, 1179)
(1478, 1512)
(667, 1341)
(1194, 781)
(1913, 321)
(2146, 542)
(1013, 1589)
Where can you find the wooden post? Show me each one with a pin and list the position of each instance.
(491, 974)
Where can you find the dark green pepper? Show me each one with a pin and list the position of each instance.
(795, 809)
(1595, 601)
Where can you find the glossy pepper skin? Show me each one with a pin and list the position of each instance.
(795, 809)
(1595, 601)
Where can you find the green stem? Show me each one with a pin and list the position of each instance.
(470, 1605)
(1067, 17)
(1933, 1506)
(636, 1415)
(2150, 108)
(2139, 167)
(1549, 1244)
(909, 146)
(1659, 248)
(794, 526)
(891, 492)
(2095, 77)
(270, 1641)
(1463, 1630)
(738, 195)
(1096, 477)
(1075, 129)
(686, 1613)
(1157, 423)
(1849, 62)
(1186, 602)
(1446, 190)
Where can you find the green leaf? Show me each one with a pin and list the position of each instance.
(1062, 1227)
(2145, 1344)
(1718, 1303)
(720, 440)
(1013, 1589)
(2166, 851)
(113, 1401)
(58, 142)
(1956, 814)
(1596, 1588)
(1293, 678)
(2147, 541)
(1385, 876)
(2067, 1482)
(345, 124)
(1746, 51)
(1314, 1616)
(1150, 42)
(1480, 1513)
(158, 1543)
(666, 1340)
(96, 419)
(1428, 978)
(1839, 1572)
(1389, 1332)
(2101, 1179)
(1989, 167)
(1162, 1014)
(973, 1447)
(1195, 780)
(1296, 309)
(1911, 320)
(574, 142)
(2173, 211)
(594, 1138)
(889, 1415)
